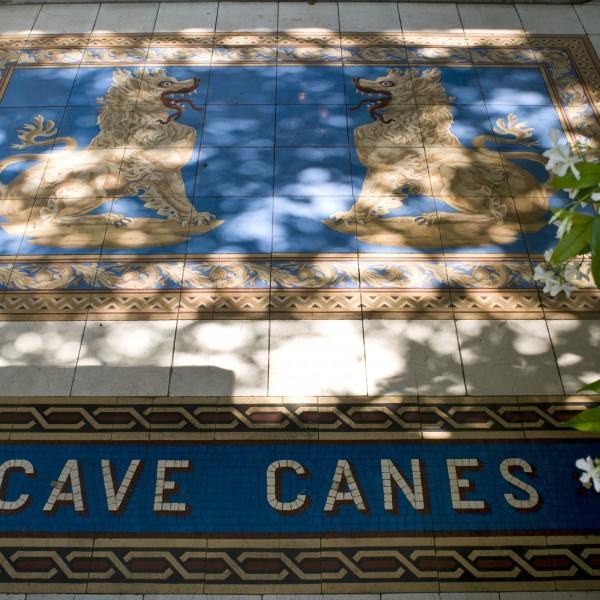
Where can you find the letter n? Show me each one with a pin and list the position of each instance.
(393, 479)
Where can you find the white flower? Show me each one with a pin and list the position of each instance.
(554, 282)
(564, 226)
(574, 272)
(572, 193)
(560, 158)
(591, 472)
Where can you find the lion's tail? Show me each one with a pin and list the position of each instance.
(31, 133)
(11, 160)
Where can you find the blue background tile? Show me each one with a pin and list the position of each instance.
(235, 172)
(242, 85)
(310, 85)
(317, 125)
(247, 227)
(24, 88)
(312, 172)
(239, 125)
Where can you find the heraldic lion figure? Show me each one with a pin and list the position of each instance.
(139, 151)
(409, 149)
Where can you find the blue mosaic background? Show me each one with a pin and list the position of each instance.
(227, 489)
(274, 148)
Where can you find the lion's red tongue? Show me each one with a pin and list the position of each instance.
(171, 101)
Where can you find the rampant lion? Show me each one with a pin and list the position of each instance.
(140, 150)
(409, 149)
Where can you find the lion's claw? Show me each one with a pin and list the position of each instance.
(422, 220)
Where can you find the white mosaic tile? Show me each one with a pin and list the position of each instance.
(126, 18)
(220, 358)
(247, 16)
(125, 357)
(66, 18)
(508, 357)
(300, 16)
(369, 17)
(489, 17)
(186, 17)
(577, 348)
(38, 358)
(415, 16)
(309, 358)
(589, 16)
(549, 19)
(18, 19)
(412, 357)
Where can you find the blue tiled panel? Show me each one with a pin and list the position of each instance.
(39, 87)
(247, 227)
(506, 86)
(283, 131)
(241, 126)
(310, 85)
(242, 85)
(226, 490)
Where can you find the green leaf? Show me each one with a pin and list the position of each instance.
(589, 176)
(572, 243)
(595, 244)
(591, 387)
(587, 420)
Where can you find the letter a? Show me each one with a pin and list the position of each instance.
(70, 476)
(344, 477)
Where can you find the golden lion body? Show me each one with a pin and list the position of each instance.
(140, 150)
(410, 150)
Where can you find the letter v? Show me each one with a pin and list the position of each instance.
(116, 500)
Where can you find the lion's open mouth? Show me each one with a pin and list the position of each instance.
(172, 101)
(375, 103)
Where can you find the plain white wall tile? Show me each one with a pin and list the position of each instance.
(126, 18)
(38, 358)
(301, 16)
(577, 348)
(412, 357)
(186, 17)
(589, 16)
(247, 16)
(220, 358)
(125, 358)
(18, 19)
(489, 17)
(415, 16)
(316, 358)
(508, 357)
(549, 19)
(369, 17)
(66, 18)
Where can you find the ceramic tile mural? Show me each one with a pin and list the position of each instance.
(236, 176)
(245, 175)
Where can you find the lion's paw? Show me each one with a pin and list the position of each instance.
(119, 220)
(424, 220)
(198, 219)
(343, 217)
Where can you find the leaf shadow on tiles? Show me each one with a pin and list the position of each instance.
(25, 85)
(298, 225)
(242, 85)
(239, 126)
(235, 172)
(312, 172)
(310, 85)
(247, 226)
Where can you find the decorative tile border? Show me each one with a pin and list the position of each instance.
(280, 559)
(395, 285)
